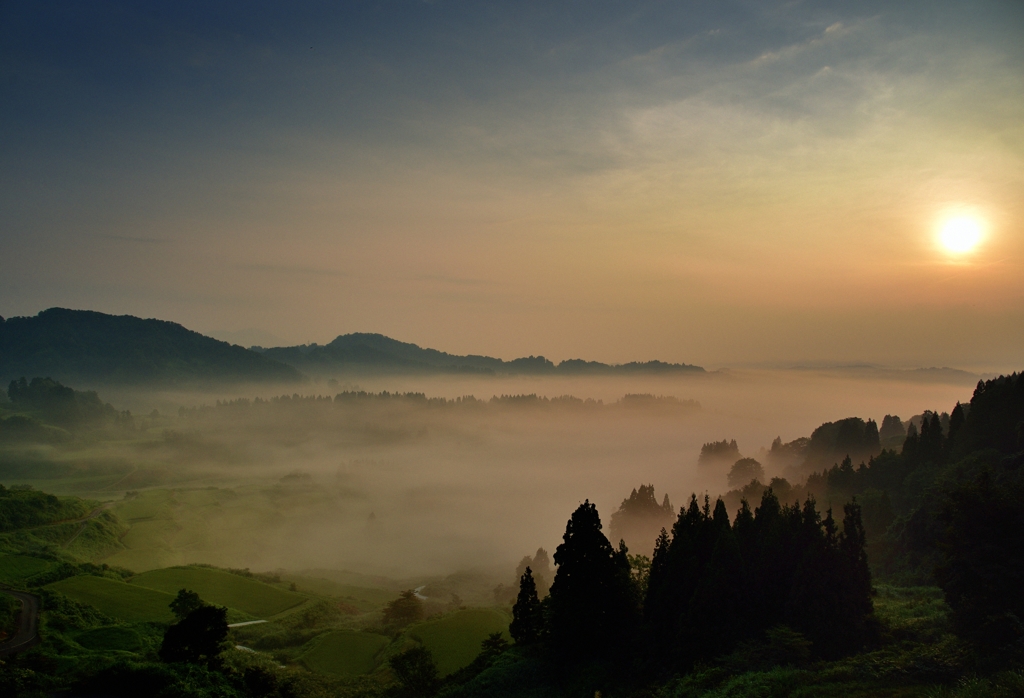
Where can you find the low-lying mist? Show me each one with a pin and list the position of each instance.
(406, 486)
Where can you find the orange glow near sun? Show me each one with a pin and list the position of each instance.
(960, 234)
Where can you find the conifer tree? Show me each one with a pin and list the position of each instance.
(857, 604)
(911, 444)
(956, 420)
(592, 607)
(658, 624)
(527, 619)
(830, 599)
(981, 571)
(930, 447)
(716, 615)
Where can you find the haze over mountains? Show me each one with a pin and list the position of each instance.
(71, 345)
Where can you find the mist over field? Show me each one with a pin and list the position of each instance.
(406, 486)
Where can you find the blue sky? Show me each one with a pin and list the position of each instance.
(718, 183)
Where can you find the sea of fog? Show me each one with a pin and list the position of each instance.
(419, 491)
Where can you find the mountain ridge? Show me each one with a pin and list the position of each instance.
(364, 350)
(86, 345)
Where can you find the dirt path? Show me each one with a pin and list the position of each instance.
(28, 624)
(92, 515)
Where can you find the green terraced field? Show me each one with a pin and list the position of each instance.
(344, 653)
(185, 526)
(455, 639)
(111, 638)
(221, 588)
(146, 559)
(17, 568)
(117, 599)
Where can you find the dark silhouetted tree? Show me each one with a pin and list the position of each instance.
(592, 608)
(184, 603)
(527, 615)
(719, 453)
(406, 609)
(956, 420)
(716, 616)
(540, 566)
(714, 584)
(639, 518)
(982, 568)
(744, 470)
(930, 448)
(892, 429)
(198, 638)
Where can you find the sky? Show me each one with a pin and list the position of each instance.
(719, 183)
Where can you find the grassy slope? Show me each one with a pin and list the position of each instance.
(363, 598)
(15, 569)
(344, 653)
(454, 639)
(117, 638)
(205, 525)
(117, 599)
(221, 588)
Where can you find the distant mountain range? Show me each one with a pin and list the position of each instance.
(72, 346)
(379, 353)
(81, 345)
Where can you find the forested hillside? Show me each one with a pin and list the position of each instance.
(361, 351)
(82, 345)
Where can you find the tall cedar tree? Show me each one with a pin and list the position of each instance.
(593, 613)
(716, 611)
(527, 619)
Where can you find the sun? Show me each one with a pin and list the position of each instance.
(960, 235)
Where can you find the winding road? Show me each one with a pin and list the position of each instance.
(28, 624)
(28, 620)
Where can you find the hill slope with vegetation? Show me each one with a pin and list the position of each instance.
(83, 345)
(903, 581)
(375, 352)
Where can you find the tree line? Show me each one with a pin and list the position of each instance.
(712, 584)
(947, 508)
